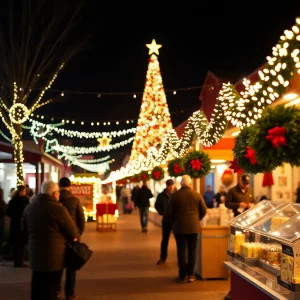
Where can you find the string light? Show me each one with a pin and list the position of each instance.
(18, 113)
(241, 110)
(53, 145)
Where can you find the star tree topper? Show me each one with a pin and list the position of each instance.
(104, 142)
(153, 47)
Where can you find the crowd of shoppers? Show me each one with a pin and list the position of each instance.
(46, 223)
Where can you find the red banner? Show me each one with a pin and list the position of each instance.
(82, 190)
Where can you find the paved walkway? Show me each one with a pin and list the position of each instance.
(123, 266)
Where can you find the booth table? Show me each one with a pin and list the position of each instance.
(106, 216)
(212, 252)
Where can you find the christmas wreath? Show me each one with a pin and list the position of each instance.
(157, 173)
(144, 175)
(245, 155)
(275, 137)
(136, 178)
(197, 164)
(176, 167)
(121, 181)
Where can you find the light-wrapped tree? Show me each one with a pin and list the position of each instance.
(35, 44)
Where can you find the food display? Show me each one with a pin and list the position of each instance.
(277, 221)
(270, 242)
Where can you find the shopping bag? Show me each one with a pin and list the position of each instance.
(77, 255)
(129, 207)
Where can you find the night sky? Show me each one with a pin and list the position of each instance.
(230, 38)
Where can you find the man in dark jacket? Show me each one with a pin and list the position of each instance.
(73, 205)
(48, 226)
(185, 210)
(143, 203)
(240, 197)
(3, 208)
(161, 205)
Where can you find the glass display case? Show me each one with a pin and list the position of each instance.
(265, 241)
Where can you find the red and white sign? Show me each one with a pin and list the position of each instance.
(82, 190)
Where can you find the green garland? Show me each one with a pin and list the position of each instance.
(287, 73)
(268, 154)
(197, 164)
(157, 173)
(144, 175)
(176, 167)
(240, 150)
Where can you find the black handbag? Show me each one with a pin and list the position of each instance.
(77, 255)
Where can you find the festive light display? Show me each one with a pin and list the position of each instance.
(39, 129)
(241, 110)
(154, 110)
(18, 113)
(53, 145)
(104, 142)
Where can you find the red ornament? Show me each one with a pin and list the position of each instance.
(196, 164)
(268, 179)
(144, 176)
(251, 156)
(177, 168)
(235, 166)
(156, 174)
(276, 136)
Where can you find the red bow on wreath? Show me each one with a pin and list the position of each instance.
(196, 164)
(235, 166)
(251, 155)
(177, 169)
(144, 176)
(156, 174)
(276, 136)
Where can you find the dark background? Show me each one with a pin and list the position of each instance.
(230, 38)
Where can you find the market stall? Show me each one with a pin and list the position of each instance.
(212, 244)
(87, 189)
(264, 247)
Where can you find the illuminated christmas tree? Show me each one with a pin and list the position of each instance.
(154, 119)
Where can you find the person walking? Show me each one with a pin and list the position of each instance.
(143, 203)
(15, 210)
(184, 211)
(74, 207)
(125, 196)
(49, 228)
(161, 205)
(3, 208)
(239, 199)
(221, 195)
(297, 193)
(209, 197)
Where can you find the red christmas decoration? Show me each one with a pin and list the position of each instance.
(235, 166)
(144, 177)
(251, 156)
(276, 136)
(178, 169)
(196, 164)
(268, 179)
(156, 174)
